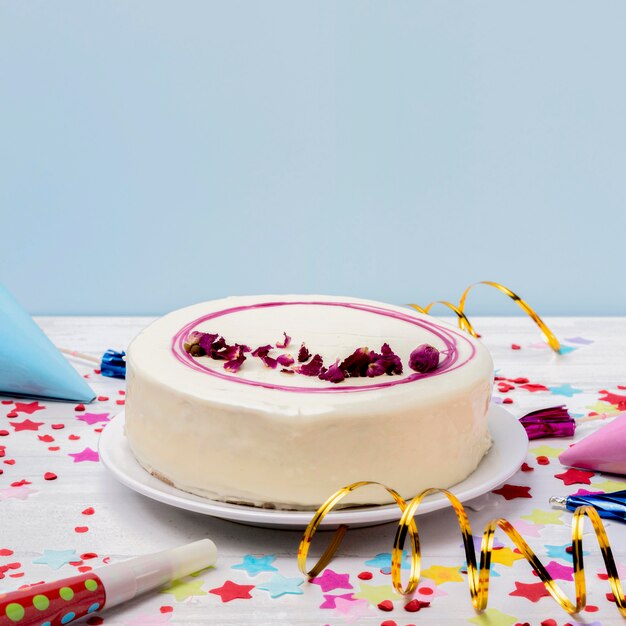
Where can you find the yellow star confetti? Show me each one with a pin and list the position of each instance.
(440, 574)
(505, 556)
(375, 594)
(493, 617)
(603, 407)
(609, 485)
(544, 517)
(547, 451)
(182, 590)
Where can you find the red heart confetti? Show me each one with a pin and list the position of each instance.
(81, 529)
(365, 575)
(103, 398)
(385, 605)
(89, 511)
(50, 476)
(58, 426)
(79, 407)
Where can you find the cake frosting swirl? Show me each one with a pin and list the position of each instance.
(265, 437)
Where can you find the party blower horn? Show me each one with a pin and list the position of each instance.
(608, 505)
(66, 600)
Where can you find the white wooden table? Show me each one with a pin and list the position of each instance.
(53, 515)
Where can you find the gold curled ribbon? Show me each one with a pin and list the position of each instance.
(465, 324)
(478, 576)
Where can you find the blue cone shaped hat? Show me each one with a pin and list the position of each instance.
(30, 364)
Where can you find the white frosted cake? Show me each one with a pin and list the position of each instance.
(278, 401)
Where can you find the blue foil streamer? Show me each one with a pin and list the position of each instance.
(609, 505)
(113, 364)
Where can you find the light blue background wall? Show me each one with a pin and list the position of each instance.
(155, 154)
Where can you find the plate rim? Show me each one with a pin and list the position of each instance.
(505, 428)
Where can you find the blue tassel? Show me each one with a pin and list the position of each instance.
(609, 505)
(113, 364)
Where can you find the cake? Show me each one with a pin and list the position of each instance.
(258, 422)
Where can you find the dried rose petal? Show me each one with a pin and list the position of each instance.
(285, 360)
(303, 354)
(313, 367)
(377, 366)
(285, 342)
(333, 374)
(263, 353)
(392, 360)
(424, 358)
(287, 371)
(357, 363)
(237, 360)
(206, 342)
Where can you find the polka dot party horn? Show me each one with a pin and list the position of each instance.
(63, 601)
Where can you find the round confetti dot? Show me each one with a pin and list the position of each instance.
(14, 611)
(66, 593)
(68, 617)
(91, 584)
(41, 603)
(94, 607)
(543, 460)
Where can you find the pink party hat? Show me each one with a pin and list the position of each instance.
(602, 451)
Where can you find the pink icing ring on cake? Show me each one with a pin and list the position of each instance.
(449, 363)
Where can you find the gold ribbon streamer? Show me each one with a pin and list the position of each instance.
(478, 576)
(465, 324)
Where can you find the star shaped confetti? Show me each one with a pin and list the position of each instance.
(528, 530)
(531, 591)
(20, 492)
(26, 425)
(565, 390)
(493, 617)
(254, 565)
(330, 580)
(510, 492)
(559, 571)
(375, 594)
(279, 586)
(330, 600)
(57, 558)
(603, 407)
(548, 451)
(93, 418)
(352, 610)
(608, 486)
(86, 455)
(28, 407)
(575, 477)
(544, 517)
(440, 574)
(382, 561)
(560, 552)
(505, 556)
(181, 590)
(232, 591)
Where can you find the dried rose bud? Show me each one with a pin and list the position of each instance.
(424, 358)
(194, 337)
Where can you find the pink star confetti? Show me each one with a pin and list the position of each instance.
(86, 455)
(558, 571)
(93, 418)
(352, 610)
(19, 493)
(330, 580)
(330, 600)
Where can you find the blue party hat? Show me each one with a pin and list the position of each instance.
(30, 364)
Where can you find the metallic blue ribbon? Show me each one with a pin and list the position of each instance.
(113, 364)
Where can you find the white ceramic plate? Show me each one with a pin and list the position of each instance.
(505, 457)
